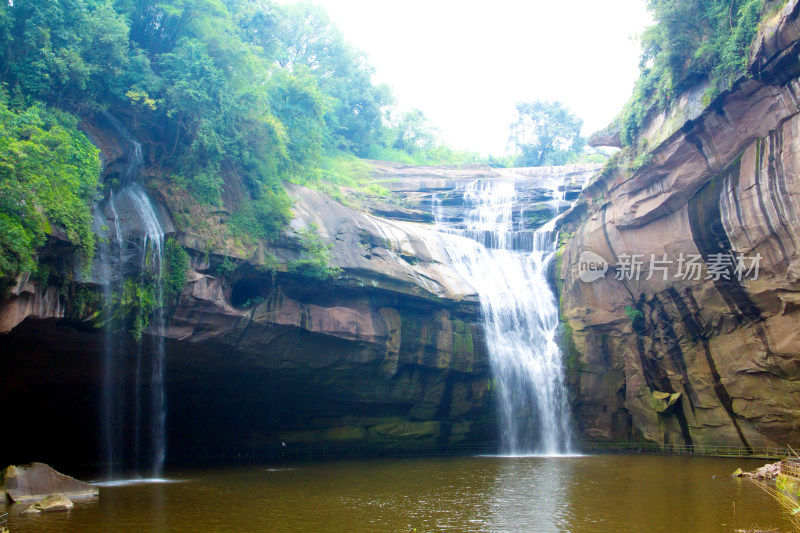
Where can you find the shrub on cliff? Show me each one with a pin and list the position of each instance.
(48, 175)
(691, 41)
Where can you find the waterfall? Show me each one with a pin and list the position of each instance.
(152, 258)
(508, 266)
(110, 403)
(134, 220)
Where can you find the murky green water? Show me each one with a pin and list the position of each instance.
(602, 493)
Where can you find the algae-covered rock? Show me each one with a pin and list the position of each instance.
(664, 402)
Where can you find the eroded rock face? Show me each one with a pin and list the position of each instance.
(722, 179)
(390, 353)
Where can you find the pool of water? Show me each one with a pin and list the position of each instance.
(594, 493)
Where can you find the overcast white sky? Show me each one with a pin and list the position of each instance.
(466, 63)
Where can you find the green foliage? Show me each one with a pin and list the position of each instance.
(139, 300)
(582, 158)
(300, 37)
(302, 108)
(545, 133)
(69, 52)
(263, 217)
(505, 161)
(48, 175)
(691, 40)
(220, 124)
(411, 138)
(144, 294)
(413, 133)
(634, 315)
(237, 97)
(248, 88)
(226, 268)
(86, 299)
(641, 161)
(315, 257)
(346, 170)
(177, 263)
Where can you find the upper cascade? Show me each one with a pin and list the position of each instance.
(445, 190)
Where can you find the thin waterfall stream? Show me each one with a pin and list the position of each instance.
(508, 266)
(134, 401)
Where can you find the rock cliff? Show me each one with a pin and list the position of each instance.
(698, 358)
(388, 353)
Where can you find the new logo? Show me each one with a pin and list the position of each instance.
(591, 267)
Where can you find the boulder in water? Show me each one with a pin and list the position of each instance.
(768, 471)
(37, 481)
(54, 502)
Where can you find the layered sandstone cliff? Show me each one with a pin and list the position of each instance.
(685, 360)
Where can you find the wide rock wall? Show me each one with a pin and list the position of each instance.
(685, 360)
(388, 353)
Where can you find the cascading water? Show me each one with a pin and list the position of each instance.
(508, 269)
(121, 417)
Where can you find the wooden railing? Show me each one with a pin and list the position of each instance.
(790, 466)
(4, 523)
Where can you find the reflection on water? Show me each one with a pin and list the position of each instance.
(134, 481)
(477, 494)
(521, 482)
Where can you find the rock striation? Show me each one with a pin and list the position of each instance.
(695, 359)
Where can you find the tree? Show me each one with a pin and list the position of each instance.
(301, 38)
(413, 132)
(67, 52)
(545, 133)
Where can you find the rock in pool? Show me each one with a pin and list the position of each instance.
(36, 481)
(54, 502)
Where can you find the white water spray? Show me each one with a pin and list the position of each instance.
(508, 268)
